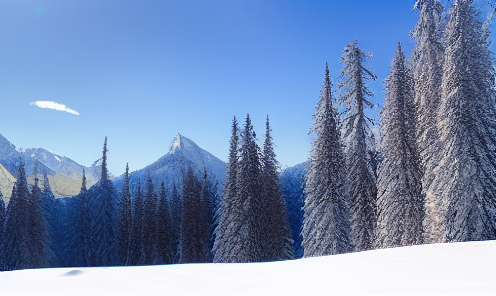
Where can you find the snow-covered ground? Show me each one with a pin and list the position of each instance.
(439, 269)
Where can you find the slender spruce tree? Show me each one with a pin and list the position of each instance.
(228, 239)
(125, 221)
(276, 241)
(175, 218)
(191, 248)
(400, 202)
(359, 140)
(136, 254)
(103, 234)
(465, 179)
(326, 227)
(427, 62)
(149, 223)
(164, 242)
(17, 253)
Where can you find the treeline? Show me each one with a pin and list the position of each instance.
(432, 178)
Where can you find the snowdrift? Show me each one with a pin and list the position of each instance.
(438, 269)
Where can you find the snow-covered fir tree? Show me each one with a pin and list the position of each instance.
(103, 234)
(125, 221)
(427, 62)
(249, 198)
(207, 199)
(400, 203)
(326, 226)
(136, 254)
(277, 242)
(465, 179)
(359, 140)
(164, 243)
(228, 239)
(149, 223)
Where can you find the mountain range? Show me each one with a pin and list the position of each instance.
(65, 174)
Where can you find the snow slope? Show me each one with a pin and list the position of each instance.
(439, 269)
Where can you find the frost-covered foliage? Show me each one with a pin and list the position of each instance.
(293, 188)
(125, 221)
(228, 239)
(427, 62)
(465, 179)
(400, 204)
(103, 233)
(358, 140)
(326, 226)
(276, 239)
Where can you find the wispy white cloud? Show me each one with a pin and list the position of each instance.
(54, 106)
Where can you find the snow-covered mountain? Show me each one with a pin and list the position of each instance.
(438, 269)
(169, 168)
(64, 174)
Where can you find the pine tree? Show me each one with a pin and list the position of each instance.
(191, 244)
(51, 212)
(164, 242)
(205, 217)
(465, 178)
(175, 218)
(17, 252)
(136, 254)
(358, 138)
(149, 223)
(427, 61)
(400, 202)
(276, 241)
(228, 239)
(125, 221)
(326, 226)
(103, 234)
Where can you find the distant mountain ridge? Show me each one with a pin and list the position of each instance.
(169, 168)
(64, 174)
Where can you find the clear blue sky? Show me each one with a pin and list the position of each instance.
(141, 71)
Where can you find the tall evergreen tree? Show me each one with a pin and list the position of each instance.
(164, 242)
(102, 201)
(228, 238)
(359, 140)
(175, 218)
(149, 223)
(125, 221)
(51, 212)
(400, 202)
(276, 239)
(465, 178)
(192, 244)
(205, 217)
(326, 226)
(136, 255)
(427, 61)
(17, 252)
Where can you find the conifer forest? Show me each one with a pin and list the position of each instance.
(430, 178)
